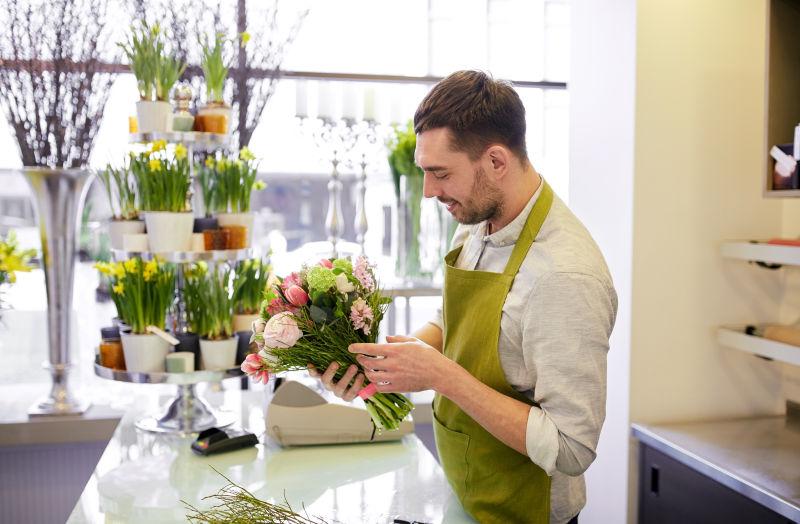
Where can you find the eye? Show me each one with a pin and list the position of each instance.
(440, 175)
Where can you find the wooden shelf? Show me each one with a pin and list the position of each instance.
(762, 252)
(735, 337)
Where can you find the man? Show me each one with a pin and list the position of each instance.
(518, 356)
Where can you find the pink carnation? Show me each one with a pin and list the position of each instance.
(277, 305)
(292, 280)
(326, 263)
(256, 367)
(362, 272)
(361, 316)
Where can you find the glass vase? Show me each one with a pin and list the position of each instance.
(409, 214)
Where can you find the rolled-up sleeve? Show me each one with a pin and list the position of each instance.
(565, 331)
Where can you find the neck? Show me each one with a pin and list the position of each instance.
(516, 198)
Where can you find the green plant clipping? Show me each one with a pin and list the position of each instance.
(162, 178)
(209, 301)
(249, 284)
(402, 145)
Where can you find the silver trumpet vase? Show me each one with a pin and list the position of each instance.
(58, 196)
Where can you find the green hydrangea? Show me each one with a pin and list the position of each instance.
(343, 263)
(320, 279)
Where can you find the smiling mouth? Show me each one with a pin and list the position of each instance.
(450, 204)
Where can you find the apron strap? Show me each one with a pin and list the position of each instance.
(534, 223)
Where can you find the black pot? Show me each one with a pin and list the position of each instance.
(243, 346)
(109, 333)
(203, 223)
(189, 342)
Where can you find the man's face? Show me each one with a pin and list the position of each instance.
(456, 181)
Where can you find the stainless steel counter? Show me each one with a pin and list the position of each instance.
(757, 457)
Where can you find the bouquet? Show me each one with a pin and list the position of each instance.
(312, 316)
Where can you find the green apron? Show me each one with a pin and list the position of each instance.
(493, 482)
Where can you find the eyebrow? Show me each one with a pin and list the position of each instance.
(432, 168)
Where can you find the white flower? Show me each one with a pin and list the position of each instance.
(343, 285)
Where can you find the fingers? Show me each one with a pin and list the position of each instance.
(370, 349)
(341, 386)
(374, 363)
(312, 370)
(327, 377)
(400, 338)
(351, 393)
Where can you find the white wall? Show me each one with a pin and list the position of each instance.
(660, 190)
(602, 83)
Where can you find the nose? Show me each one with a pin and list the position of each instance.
(430, 188)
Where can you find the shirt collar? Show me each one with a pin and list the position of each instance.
(510, 233)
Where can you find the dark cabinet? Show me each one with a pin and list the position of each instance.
(672, 493)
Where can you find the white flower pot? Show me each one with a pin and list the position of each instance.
(153, 117)
(168, 232)
(239, 219)
(218, 354)
(135, 243)
(144, 353)
(117, 229)
(243, 322)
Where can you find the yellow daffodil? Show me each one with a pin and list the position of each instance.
(210, 162)
(158, 145)
(118, 270)
(131, 265)
(222, 163)
(119, 288)
(246, 155)
(245, 38)
(180, 152)
(154, 164)
(239, 164)
(258, 185)
(150, 269)
(104, 268)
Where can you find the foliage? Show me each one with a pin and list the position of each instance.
(249, 285)
(162, 178)
(142, 291)
(402, 145)
(209, 301)
(120, 186)
(13, 259)
(228, 182)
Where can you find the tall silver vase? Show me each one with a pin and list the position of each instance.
(59, 195)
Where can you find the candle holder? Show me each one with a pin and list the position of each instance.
(367, 139)
(335, 139)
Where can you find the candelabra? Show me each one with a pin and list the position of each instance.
(336, 139)
(367, 138)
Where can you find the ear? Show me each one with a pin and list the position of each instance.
(498, 160)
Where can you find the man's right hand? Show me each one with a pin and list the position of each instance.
(340, 388)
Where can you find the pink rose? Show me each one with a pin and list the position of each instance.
(326, 263)
(297, 296)
(281, 331)
(255, 367)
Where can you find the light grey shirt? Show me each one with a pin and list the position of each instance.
(554, 331)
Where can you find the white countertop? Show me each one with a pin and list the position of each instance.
(143, 477)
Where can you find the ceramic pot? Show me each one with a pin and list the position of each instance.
(117, 229)
(167, 232)
(153, 117)
(144, 353)
(218, 354)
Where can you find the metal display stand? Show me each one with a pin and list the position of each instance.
(187, 412)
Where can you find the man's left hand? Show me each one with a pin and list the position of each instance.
(402, 364)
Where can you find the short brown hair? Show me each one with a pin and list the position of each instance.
(478, 110)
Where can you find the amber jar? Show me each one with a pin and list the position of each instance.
(111, 354)
(237, 236)
(215, 239)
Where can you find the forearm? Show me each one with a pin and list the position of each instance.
(431, 334)
(504, 417)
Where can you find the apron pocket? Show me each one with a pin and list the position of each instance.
(453, 447)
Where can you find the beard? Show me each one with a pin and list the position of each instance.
(485, 201)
